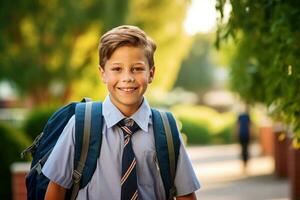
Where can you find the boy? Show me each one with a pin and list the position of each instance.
(127, 67)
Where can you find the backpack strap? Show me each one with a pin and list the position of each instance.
(171, 150)
(167, 144)
(88, 138)
(86, 99)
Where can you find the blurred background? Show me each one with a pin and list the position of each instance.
(215, 60)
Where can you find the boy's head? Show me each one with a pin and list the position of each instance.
(126, 66)
(125, 35)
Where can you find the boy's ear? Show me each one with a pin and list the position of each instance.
(102, 74)
(152, 71)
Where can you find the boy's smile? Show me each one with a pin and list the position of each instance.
(127, 75)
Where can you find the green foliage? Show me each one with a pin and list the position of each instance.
(196, 132)
(203, 125)
(36, 120)
(196, 72)
(45, 46)
(265, 67)
(12, 143)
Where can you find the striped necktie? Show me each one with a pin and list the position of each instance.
(129, 189)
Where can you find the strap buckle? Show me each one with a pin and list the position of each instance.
(76, 176)
(32, 148)
(172, 192)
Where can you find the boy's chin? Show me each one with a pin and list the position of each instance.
(132, 103)
(127, 101)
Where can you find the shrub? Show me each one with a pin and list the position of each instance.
(195, 132)
(36, 120)
(225, 136)
(204, 125)
(223, 130)
(12, 143)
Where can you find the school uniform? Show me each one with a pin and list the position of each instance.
(105, 183)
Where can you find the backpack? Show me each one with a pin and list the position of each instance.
(88, 122)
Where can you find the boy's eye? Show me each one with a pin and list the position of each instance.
(138, 69)
(116, 69)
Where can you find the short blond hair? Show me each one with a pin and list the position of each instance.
(125, 35)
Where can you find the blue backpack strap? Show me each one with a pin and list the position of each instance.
(162, 148)
(94, 140)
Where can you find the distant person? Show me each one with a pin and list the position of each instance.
(243, 135)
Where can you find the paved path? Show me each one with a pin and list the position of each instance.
(221, 174)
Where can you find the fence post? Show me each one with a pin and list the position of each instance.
(294, 172)
(18, 173)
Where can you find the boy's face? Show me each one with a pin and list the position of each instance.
(127, 75)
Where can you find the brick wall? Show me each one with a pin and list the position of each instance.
(18, 172)
(294, 173)
(281, 144)
(266, 136)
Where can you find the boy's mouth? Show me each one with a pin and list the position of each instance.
(127, 89)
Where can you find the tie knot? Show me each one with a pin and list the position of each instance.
(128, 126)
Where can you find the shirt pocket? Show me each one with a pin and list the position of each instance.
(149, 177)
(149, 171)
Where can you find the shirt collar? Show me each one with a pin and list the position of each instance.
(113, 115)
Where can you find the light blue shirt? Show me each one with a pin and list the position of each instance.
(105, 183)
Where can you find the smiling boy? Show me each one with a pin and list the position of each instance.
(127, 67)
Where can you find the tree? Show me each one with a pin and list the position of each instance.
(196, 72)
(265, 67)
(47, 45)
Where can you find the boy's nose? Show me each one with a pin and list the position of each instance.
(128, 77)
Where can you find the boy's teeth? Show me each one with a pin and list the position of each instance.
(127, 89)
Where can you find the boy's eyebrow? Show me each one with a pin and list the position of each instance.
(138, 62)
(116, 63)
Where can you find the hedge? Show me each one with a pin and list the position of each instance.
(36, 120)
(204, 125)
(12, 143)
